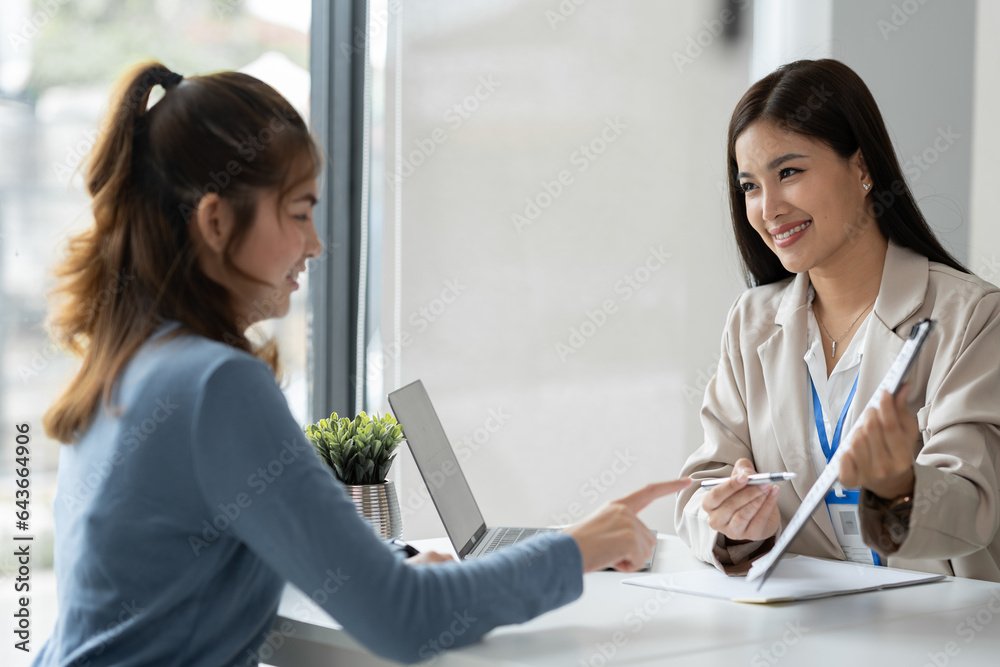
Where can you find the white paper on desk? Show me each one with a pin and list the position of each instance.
(795, 578)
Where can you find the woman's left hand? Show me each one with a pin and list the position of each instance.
(429, 558)
(881, 455)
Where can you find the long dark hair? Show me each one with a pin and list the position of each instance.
(827, 100)
(136, 266)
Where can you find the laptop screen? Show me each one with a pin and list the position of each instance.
(438, 466)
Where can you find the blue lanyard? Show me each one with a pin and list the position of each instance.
(829, 450)
(851, 497)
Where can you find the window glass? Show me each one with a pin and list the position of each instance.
(57, 63)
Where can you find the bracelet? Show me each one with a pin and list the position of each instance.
(896, 517)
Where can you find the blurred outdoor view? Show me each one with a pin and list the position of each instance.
(58, 61)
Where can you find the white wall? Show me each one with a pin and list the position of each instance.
(984, 234)
(614, 414)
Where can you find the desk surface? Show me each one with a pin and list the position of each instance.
(952, 622)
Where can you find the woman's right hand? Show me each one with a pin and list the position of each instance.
(614, 536)
(742, 512)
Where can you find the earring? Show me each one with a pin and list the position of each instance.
(867, 186)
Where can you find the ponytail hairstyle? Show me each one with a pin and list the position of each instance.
(136, 266)
(828, 101)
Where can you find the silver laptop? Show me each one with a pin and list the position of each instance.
(445, 480)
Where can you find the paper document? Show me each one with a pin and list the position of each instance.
(893, 380)
(799, 578)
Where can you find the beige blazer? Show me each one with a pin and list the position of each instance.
(758, 406)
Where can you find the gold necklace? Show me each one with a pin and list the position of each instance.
(833, 352)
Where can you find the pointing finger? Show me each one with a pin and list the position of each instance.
(639, 499)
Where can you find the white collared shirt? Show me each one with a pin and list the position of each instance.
(832, 391)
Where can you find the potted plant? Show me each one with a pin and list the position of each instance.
(359, 453)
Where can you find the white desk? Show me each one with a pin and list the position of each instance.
(613, 624)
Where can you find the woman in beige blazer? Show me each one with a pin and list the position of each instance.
(835, 249)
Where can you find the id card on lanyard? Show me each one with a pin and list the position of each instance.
(842, 504)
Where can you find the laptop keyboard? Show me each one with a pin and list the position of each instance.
(508, 536)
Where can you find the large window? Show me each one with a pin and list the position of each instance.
(57, 62)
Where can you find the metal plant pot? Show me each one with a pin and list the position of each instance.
(377, 504)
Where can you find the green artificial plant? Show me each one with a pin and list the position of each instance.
(359, 450)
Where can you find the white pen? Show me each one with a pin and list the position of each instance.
(754, 480)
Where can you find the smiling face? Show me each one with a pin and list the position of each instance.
(806, 202)
(271, 254)
(274, 251)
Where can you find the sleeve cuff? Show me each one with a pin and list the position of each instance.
(883, 527)
(736, 556)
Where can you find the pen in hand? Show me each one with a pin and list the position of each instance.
(754, 480)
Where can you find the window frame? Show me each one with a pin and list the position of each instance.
(337, 68)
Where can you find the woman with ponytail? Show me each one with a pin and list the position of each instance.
(187, 494)
(146, 175)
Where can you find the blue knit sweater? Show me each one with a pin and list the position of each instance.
(181, 514)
